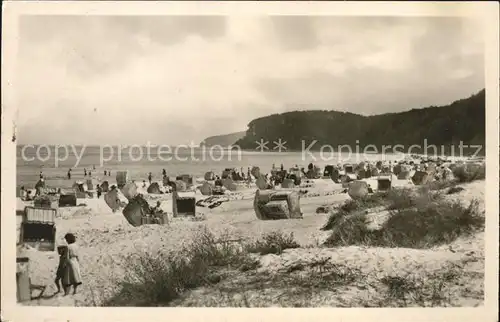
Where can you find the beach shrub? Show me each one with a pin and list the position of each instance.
(350, 229)
(426, 290)
(369, 201)
(157, 279)
(426, 225)
(272, 243)
(463, 174)
(400, 198)
(435, 224)
(334, 219)
(454, 190)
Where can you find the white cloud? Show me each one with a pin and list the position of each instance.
(98, 83)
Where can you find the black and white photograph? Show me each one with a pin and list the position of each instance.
(257, 160)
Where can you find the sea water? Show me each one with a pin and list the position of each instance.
(195, 162)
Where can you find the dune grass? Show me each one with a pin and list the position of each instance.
(272, 243)
(421, 219)
(158, 279)
(464, 174)
(424, 290)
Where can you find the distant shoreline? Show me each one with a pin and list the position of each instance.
(446, 152)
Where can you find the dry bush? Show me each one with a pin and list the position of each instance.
(157, 279)
(434, 223)
(463, 175)
(272, 243)
(425, 290)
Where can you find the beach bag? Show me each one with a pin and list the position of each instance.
(357, 189)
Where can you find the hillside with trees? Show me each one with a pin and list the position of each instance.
(461, 121)
(224, 140)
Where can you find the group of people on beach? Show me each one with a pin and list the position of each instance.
(107, 173)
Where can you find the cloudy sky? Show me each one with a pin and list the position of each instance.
(172, 80)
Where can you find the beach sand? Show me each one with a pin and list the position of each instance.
(106, 239)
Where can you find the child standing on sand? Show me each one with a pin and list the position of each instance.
(63, 261)
(71, 276)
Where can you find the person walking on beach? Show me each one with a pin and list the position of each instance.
(69, 174)
(99, 191)
(84, 172)
(72, 275)
(105, 172)
(41, 174)
(150, 177)
(164, 173)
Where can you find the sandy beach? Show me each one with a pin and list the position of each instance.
(106, 239)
